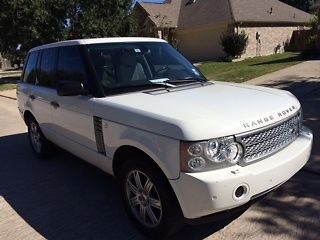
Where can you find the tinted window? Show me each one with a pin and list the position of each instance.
(30, 73)
(47, 67)
(70, 65)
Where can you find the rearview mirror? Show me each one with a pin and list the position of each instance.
(71, 88)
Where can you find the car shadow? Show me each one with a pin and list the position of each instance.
(292, 210)
(202, 231)
(66, 198)
(62, 197)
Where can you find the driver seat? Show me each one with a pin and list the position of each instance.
(129, 69)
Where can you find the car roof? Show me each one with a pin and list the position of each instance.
(95, 41)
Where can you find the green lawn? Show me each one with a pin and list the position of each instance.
(250, 68)
(8, 81)
(7, 86)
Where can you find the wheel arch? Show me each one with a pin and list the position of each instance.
(121, 156)
(27, 115)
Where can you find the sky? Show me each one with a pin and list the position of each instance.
(155, 1)
(152, 1)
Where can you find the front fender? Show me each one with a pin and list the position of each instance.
(163, 150)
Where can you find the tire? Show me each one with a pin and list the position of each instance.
(149, 199)
(40, 145)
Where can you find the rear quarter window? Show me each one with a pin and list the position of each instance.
(30, 72)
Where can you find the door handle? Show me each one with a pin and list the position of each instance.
(32, 97)
(54, 104)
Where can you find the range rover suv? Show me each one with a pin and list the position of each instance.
(183, 148)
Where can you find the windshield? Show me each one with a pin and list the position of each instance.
(139, 65)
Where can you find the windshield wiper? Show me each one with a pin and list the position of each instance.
(185, 80)
(137, 87)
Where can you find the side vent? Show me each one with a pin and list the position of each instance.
(98, 131)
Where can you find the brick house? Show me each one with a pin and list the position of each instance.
(195, 26)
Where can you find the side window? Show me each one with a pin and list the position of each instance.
(70, 65)
(30, 73)
(47, 67)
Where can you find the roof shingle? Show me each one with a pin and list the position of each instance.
(177, 13)
(204, 12)
(267, 11)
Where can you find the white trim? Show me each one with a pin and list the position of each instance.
(96, 40)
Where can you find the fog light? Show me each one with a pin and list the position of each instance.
(197, 164)
(240, 192)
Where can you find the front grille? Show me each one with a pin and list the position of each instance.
(267, 142)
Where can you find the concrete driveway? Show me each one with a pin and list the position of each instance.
(66, 198)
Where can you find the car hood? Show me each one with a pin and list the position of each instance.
(199, 112)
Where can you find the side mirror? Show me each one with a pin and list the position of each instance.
(71, 88)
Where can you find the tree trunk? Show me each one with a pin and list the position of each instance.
(318, 28)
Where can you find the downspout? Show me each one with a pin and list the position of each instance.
(233, 24)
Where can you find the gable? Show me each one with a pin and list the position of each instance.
(166, 15)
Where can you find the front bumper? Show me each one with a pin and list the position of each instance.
(202, 194)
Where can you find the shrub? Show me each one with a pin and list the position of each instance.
(314, 24)
(311, 48)
(234, 44)
(225, 59)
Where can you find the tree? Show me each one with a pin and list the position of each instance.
(30, 23)
(312, 44)
(234, 44)
(305, 5)
(96, 18)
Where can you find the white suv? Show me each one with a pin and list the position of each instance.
(182, 147)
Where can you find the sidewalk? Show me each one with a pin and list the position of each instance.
(11, 94)
(9, 72)
(289, 78)
(13, 226)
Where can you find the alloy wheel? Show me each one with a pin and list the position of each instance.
(35, 137)
(143, 199)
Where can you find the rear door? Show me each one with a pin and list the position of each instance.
(43, 92)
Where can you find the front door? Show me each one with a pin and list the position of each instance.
(73, 115)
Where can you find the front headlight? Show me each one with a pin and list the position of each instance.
(209, 155)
